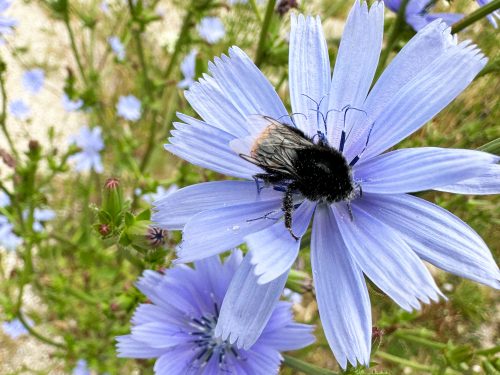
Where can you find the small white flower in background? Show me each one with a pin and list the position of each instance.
(15, 328)
(129, 107)
(188, 69)
(91, 143)
(81, 368)
(117, 47)
(4, 199)
(71, 105)
(19, 109)
(161, 192)
(211, 29)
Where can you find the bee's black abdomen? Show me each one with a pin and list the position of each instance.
(323, 174)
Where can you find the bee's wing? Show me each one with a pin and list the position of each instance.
(276, 148)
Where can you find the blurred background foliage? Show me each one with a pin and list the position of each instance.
(82, 274)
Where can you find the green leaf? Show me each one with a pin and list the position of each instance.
(305, 367)
(492, 147)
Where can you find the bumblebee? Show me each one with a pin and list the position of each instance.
(292, 161)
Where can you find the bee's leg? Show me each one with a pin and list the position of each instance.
(349, 209)
(256, 179)
(288, 209)
(355, 160)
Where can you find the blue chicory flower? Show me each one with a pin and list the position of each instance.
(71, 105)
(81, 368)
(14, 328)
(19, 109)
(91, 143)
(33, 80)
(493, 17)
(117, 47)
(417, 13)
(40, 216)
(211, 29)
(381, 231)
(4, 199)
(8, 239)
(188, 69)
(129, 107)
(178, 326)
(6, 23)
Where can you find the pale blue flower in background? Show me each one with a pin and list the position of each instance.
(178, 326)
(117, 47)
(294, 297)
(71, 105)
(19, 109)
(188, 69)
(492, 17)
(161, 192)
(211, 29)
(81, 368)
(129, 107)
(90, 142)
(40, 216)
(8, 239)
(390, 230)
(33, 80)
(417, 13)
(6, 23)
(4, 199)
(105, 7)
(15, 328)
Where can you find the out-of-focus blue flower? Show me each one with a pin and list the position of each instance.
(178, 327)
(81, 368)
(211, 29)
(129, 107)
(383, 232)
(8, 239)
(4, 199)
(294, 297)
(493, 17)
(91, 143)
(19, 109)
(161, 192)
(418, 13)
(117, 47)
(188, 69)
(105, 7)
(15, 328)
(40, 216)
(6, 23)
(71, 105)
(33, 80)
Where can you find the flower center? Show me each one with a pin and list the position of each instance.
(207, 346)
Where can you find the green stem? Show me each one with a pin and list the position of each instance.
(186, 25)
(3, 116)
(140, 50)
(74, 48)
(421, 341)
(403, 361)
(259, 56)
(397, 27)
(255, 8)
(38, 335)
(475, 16)
(305, 367)
(494, 350)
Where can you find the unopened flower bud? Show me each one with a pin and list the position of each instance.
(143, 236)
(285, 5)
(7, 158)
(104, 229)
(113, 199)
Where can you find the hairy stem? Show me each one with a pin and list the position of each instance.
(259, 56)
(475, 16)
